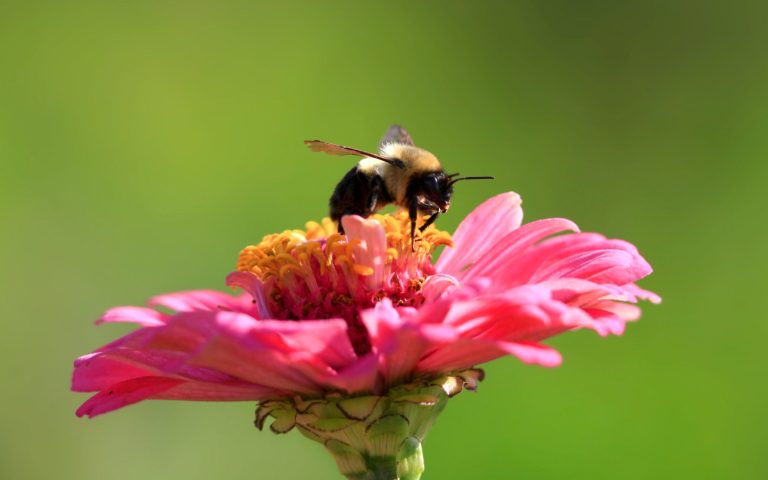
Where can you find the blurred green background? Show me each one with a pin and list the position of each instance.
(142, 144)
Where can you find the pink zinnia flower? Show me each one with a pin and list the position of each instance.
(351, 338)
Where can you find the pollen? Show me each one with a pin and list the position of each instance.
(315, 273)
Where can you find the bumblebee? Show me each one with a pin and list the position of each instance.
(401, 174)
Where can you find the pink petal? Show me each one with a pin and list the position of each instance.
(469, 352)
(99, 370)
(438, 285)
(95, 372)
(582, 293)
(579, 292)
(361, 376)
(400, 343)
(370, 248)
(125, 393)
(138, 337)
(521, 314)
(604, 265)
(262, 367)
(586, 256)
(512, 322)
(161, 351)
(199, 300)
(143, 316)
(502, 256)
(533, 353)
(289, 356)
(137, 389)
(185, 332)
(625, 311)
(218, 392)
(480, 230)
(325, 338)
(251, 284)
(606, 322)
(223, 356)
(640, 293)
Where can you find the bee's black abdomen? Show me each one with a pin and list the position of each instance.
(358, 193)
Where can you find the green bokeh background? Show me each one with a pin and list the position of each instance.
(142, 144)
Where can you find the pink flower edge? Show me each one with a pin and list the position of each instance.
(496, 292)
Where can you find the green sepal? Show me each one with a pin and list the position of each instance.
(285, 420)
(263, 412)
(359, 408)
(419, 399)
(372, 437)
(331, 424)
(350, 461)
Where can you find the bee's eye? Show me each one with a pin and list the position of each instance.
(431, 184)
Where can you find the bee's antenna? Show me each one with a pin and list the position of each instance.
(470, 178)
(453, 175)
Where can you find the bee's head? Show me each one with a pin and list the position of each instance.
(437, 189)
(433, 190)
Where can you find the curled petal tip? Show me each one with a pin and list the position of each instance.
(146, 317)
(370, 246)
(251, 284)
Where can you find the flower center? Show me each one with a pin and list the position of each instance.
(317, 273)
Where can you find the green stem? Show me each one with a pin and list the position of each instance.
(381, 468)
(407, 465)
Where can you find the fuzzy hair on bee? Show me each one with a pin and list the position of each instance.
(400, 173)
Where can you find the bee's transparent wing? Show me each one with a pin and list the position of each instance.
(334, 149)
(396, 134)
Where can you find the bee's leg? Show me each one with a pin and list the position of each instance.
(357, 194)
(377, 187)
(370, 206)
(430, 221)
(412, 211)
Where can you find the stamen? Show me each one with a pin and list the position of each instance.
(314, 273)
(363, 270)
